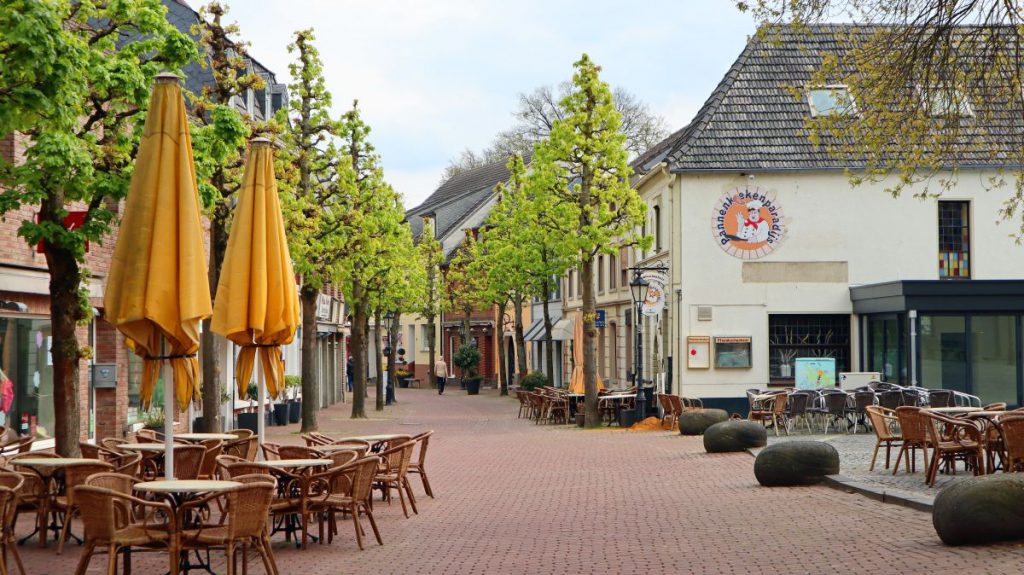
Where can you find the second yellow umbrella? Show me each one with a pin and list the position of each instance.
(257, 304)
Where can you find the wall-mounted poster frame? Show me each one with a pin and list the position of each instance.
(698, 352)
(733, 352)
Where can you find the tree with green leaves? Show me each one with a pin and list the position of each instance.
(219, 137)
(80, 121)
(938, 86)
(593, 209)
(314, 205)
(432, 301)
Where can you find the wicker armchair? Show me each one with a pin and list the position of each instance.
(246, 468)
(350, 489)
(952, 439)
(363, 447)
(128, 464)
(315, 438)
(11, 485)
(245, 447)
(89, 450)
(418, 463)
(886, 426)
(775, 414)
(344, 456)
(110, 520)
(242, 433)
(1013, 442)
(298, 452)
(188, 460)
(296, 498)
(208, 466)
(395, 475)
(270, 451)
(118, 482)
(914, 428)
(999, 406)
(74, 476)
(243, 524)
(113, 444)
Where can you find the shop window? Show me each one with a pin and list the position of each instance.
(657, 229)
(26, 376)
(886, 353)
(814, 336)
(611, 272)
(600, 274)
(954, 240)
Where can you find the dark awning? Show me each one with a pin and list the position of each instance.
(939, 296)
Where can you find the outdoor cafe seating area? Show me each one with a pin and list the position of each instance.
(229, 494)
(946, 427)
(559, 405)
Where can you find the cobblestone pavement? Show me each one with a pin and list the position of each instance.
(855, 458)
(515, 497)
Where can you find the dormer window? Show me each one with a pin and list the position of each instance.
(947, 102)
(830, 101)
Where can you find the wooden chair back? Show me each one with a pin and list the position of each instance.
(75, 475)
(208, 466)
(423, 440)
(270, 451)
(1013, 441)
(298, 452)
(882, 421)
(188, 460)
(913, 424)
(118, 482)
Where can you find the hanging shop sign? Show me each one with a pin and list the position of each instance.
(654, 303)
(748, 223)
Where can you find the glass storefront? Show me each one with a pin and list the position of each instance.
(26, 376)
(943, 349)
(886, 347)
(994, 344)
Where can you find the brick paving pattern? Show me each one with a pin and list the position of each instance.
(515, 497)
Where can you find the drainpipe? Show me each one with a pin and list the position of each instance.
(912, 316)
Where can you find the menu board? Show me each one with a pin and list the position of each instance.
(733, 352)
(698, 352)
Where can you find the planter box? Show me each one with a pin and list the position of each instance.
(294, 411)
(473, 387)
(249, 421)
(280, 414)
(403, 383)
(581, 420)
(197, 423)
(627, 417)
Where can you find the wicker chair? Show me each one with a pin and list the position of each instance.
(270, 451)
(242, 433)
(999, 406)
(298, 452)
(350, 489)
(109, 522)
(188, 460)
(666, 410)
(296, 498)
(118, 482)
(1013, 442)
(775, 414)
(418, 463)
(128, 464)
(243, 524)
(796, 409)
(357, 444)
(886, 426)
(89, 450)
(34, 495)
(941, 398)
(74, 476)
(890, 399)
(344, 456)
(315, 438)
(861, 400)
(246, 468)
(208, 466)
(958, 439)
(113, 444)
(914, 428)
(244, 447)
(395, 475)
(11, 485)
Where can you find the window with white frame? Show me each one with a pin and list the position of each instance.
(831, 101)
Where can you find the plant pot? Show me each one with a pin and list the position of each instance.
(581, 420)
(281, 414)
(472, 386)
(403, 383)
(294, 411)
(249, 421)
(627, 417)
(197, 423)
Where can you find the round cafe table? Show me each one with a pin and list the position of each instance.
(143, 447)
(954, 410)
(179, 491)
(295, 463)
(197, 437)
(45, 468)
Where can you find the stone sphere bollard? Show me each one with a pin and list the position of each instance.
(734, 435)
(984, 509)
(696, 421)
(795, 463)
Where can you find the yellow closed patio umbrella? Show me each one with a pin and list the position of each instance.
(257, 305)
(576, 384)
(157, 292)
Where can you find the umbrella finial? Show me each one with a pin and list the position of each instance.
(167, 78)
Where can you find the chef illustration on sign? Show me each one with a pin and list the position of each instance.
(751, 227)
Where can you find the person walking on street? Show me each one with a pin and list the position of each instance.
(441, 373)
(349, 373)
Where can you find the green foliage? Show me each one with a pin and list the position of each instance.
(467, 357)
(252, 391)
(292, 381)
(431, 302)
(533, 380)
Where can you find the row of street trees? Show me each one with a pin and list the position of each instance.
(572, 203)
(74, 89)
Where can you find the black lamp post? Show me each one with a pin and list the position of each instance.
(638, 289)
(389, 394)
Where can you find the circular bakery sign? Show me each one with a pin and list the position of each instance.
(747, 223)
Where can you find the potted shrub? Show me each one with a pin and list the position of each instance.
(249, 420)
(467, 358)
(403, 374)
(292, 386)
(533, 380)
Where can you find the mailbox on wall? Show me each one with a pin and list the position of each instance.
(104, 375)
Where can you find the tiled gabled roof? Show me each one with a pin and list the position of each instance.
(752, 122)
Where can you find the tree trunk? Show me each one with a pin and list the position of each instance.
(358, 352)
(520, 340)
(467, 327)
(310, 373)
(589, 352)
(65, 312)
(432, 354)
(211, 344)
(377, 358)
(503, 374)
(549, 343)
(396, 326)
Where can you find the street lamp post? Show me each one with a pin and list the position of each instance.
(389, 394)
(638, 289)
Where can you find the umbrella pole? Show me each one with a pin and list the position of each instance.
(168, 377)
(261, 419)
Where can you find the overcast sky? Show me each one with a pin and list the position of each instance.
(436, 77)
